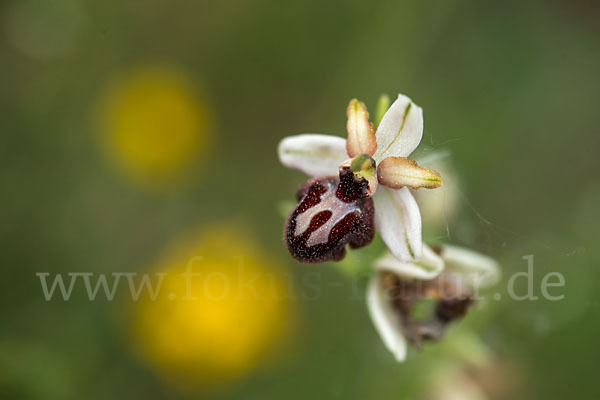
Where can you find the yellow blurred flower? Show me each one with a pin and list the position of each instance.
(155, 124)
(209, 328)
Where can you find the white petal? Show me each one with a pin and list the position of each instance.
(386, 320)
(476, 268)
(313, 154)
(400, 130)
(428, 267)
(398, 221)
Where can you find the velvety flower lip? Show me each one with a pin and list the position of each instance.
(374, 170)
(397, 216)
(449, 272)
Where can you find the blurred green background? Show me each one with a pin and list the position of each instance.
(129, 125)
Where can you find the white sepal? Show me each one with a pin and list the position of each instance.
(400, 130)
(398, 221)
(386, 320)
(427, 267)
(313, 154)
(475, 268)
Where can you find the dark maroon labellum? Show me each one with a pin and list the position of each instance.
(331, 213)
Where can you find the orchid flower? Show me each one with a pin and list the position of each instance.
(449, 274)
(374, 180)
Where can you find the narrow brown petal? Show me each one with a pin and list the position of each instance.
(397, 172)
(361, 137)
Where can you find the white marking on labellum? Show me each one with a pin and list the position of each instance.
(329, 202)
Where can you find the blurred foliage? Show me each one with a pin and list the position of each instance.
(509, 88)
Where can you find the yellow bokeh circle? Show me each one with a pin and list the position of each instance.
(207, 329)
(155, 123)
